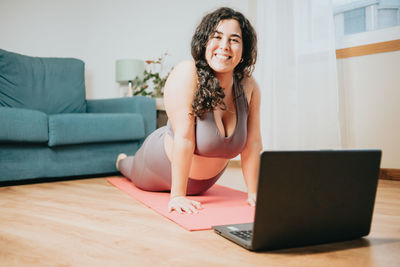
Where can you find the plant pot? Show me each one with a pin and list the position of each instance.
(159, 103)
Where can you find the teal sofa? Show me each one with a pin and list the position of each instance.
(48, 129)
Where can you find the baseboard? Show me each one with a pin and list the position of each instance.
(54, 179)
(390, 174)
(234, 164)
(386, 174)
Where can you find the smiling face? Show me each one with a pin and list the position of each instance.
(225, 46)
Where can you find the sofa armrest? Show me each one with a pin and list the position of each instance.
(142, 105)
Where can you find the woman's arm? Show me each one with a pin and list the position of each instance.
(250, 155)
(178, 97)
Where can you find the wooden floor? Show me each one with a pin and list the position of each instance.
(91, 223)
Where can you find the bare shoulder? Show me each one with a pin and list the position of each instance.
(183, 75)
(185, 65)
(251, 87)
(184, 71)
(180, 86)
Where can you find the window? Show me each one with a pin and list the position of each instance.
(355, 16)
(354, 21)
(388, 17)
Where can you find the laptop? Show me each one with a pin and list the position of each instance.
(310, 197)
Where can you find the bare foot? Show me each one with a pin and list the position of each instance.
(120, 156)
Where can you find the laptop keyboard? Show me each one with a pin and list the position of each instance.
(245, 234)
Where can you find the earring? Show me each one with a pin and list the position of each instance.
(241, 60)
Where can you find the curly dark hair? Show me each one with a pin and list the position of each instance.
(209, 94)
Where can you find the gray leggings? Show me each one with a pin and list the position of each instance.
(150, 168)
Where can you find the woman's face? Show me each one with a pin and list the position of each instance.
(225, 46)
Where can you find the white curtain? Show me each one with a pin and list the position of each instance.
(296, 71)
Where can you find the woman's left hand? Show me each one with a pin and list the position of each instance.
(251, 199)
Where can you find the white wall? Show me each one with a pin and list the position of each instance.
(369, 89)
(101, 31)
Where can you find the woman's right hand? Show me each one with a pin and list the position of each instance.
(182, 204)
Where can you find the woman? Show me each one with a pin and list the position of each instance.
(213, 106)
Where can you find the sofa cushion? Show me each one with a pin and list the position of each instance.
(51, 85)
(24, 125)
(65, 129)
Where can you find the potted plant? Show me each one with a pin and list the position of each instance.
(153, 81)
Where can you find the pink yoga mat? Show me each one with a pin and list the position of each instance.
(221, 205)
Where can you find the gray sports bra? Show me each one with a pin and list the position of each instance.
(210, 142)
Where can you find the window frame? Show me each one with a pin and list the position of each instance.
(373, 40)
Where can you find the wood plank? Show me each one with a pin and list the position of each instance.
(369, 49)
(89, 222)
